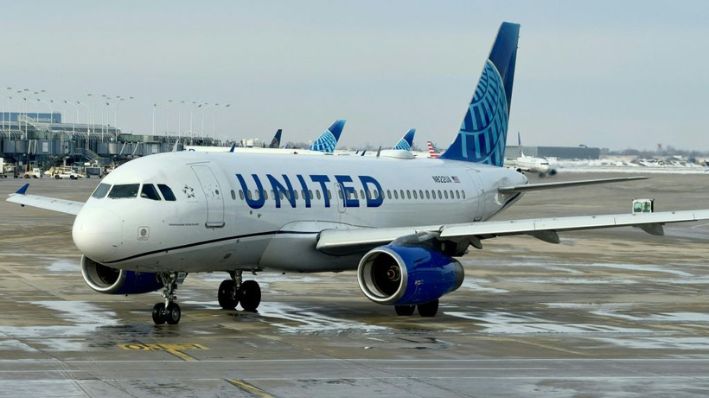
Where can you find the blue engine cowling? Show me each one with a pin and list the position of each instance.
(109, 280)
(407, 274)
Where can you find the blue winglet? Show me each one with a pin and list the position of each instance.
(233, 147)
(23, 189)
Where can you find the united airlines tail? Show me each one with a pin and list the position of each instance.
(407, 141)
(483, 134)
(328, 139)
(276, 141)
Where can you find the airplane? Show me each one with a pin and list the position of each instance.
(402, 148)
(399, 224)
(533, 164)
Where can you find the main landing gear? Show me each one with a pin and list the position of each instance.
(233, 291)
(168, 311)
(425, 310)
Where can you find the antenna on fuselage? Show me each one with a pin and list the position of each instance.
(379, 151)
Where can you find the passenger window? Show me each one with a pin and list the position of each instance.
(452, 194)
(415, 195)
(457, 194)
(408, 194)
(310, 194)
(166, 192)
(149, 192)
(428, 194)
(124, 191)
(463, 193)
(233, 194)
(402, 194)
(241, 194)
(445, 194)
(361, 194)
(396, 194)
(329, 194)
(420, 194)
(295, 193)
(101, 191)
(389, 194)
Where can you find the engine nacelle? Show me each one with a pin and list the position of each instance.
(109, 280)
(406, 275)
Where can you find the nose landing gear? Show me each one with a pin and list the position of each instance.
(234, 291)
(169, 311)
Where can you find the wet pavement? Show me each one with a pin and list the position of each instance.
(604, 313)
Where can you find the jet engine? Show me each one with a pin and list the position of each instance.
(406, 275)
(109, 280)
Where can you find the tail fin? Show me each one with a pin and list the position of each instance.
(276, 141)
(432, 150)
(328, 139)
(407, 141)
(483, 134)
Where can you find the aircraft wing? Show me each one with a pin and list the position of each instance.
(565, 184)
(44, 202)
(543, 228)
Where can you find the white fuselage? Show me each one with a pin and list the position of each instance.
(211, 226)
(533, 164)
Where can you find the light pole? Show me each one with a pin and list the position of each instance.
(204, 108)
(154, 109)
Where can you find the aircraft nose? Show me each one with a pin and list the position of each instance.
(96, 234)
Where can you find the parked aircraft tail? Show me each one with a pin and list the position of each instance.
(407, 141)
(328, 139)
(276, 141)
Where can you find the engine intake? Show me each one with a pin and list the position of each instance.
(406, 275)
(109, 280)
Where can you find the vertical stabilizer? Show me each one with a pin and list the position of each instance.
(483, 134)
(276, 141)
(407, 141)
(328, 139)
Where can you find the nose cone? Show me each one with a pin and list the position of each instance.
(97, 233)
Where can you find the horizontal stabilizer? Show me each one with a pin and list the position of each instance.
(565, 184)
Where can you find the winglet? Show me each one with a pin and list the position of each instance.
(233, 146)
(23, 189)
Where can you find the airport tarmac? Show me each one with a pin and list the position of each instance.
(604, 313)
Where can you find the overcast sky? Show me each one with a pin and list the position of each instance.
(602, 73)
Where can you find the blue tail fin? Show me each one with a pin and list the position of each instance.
(407, 141)
(276, 141)
(483, 134)
(328, 139)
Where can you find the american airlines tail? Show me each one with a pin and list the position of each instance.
(407, 141)
(328, 139)
(483, 134)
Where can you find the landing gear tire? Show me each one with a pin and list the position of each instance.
(250, 295)
(404, 310)
(158, 311)
(172, 314)
(429, 309)
(228, 294)
(168, 311)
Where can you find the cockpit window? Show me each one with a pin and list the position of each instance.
(124, 191)
(149, 192)
(101, 191)
(166, 192)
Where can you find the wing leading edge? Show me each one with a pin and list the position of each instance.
(542, 228)
(44, 202)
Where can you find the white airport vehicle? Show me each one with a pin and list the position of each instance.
(36, 172)
(533, 164)
(400, 223)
